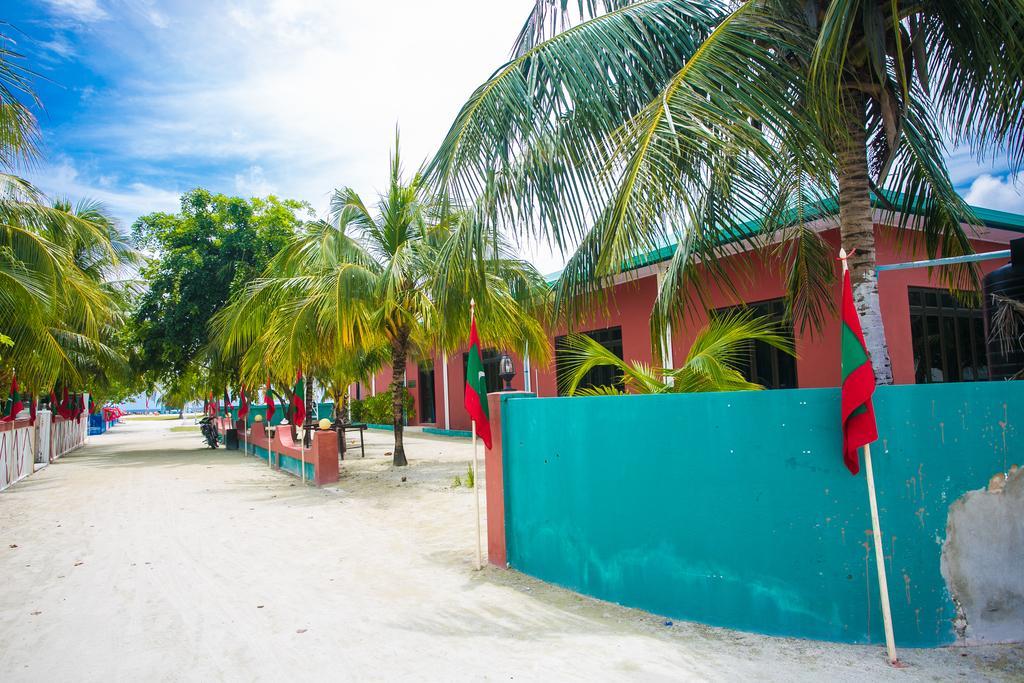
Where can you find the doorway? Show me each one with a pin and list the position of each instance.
(426, 388)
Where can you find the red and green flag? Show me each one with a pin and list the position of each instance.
(14, 403)
(299, 400)
(227, 402)
(858, 383)
(476, 388)
(268, 398)
(243, 403)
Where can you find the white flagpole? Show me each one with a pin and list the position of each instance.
(476, 464)
(266, 426)
(876, 532)
(883, 584)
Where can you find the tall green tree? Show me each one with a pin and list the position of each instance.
(401, 275)
(200, 256)
(656, 122)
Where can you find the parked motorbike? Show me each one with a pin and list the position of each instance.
(208, 426)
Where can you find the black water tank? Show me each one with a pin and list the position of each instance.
(1005, 357)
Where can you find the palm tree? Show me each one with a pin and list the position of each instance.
(655, 122)
(61, 290)
(401, 276)
(712, 364)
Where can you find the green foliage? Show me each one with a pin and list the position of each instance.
(213, 248)
(470, 477)
(379, 409)
(457, 483)
(711, 364)
(397, 276)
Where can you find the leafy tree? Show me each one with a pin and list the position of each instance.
(658, 122)
(402, 276)
(202, 255)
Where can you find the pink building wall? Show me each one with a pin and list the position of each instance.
(754, 277)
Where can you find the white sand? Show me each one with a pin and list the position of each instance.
(145, 557)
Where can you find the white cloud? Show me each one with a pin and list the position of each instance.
(126, 202)
(253, 183)
(308, 91)
(1003, 194)
(57, 48)
(82, 10)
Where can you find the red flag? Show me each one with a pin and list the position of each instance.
(299, 400)
(32, 400)
(243, 403)
(64, 404)
(268, 397)
(15, 400)
(476, 388)
(858, 415)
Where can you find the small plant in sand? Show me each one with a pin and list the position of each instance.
(457, 483)
(470, 478)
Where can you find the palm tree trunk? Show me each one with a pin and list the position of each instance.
(399, 354)
(858, 234)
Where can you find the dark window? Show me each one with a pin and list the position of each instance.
(948, 338)
(602, 375)
(491, 359)
(763, 363)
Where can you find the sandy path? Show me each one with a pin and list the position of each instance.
(144, 557)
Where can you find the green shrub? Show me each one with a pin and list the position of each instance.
(470, 477)
(377, 409)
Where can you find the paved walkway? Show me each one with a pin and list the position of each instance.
(146, 557)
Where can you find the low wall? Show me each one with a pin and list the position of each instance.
(735, 509)
(321, 459)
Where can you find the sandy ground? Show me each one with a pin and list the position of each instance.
(145, 557)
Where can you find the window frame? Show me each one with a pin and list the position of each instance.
(613, 343)
(928, 304)
(776, 309)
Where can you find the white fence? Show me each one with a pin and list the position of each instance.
(23, 446)
(16, 452)
(67, 435)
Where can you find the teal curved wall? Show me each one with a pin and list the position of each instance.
(735, 509)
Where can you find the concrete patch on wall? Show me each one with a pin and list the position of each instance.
(983, 560)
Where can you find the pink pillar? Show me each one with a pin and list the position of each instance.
(497, 553)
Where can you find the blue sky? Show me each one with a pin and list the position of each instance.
(145, 99)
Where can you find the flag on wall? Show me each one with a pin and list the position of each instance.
(14, 404)
(476, 388)
(299, 400)
(858, 383)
